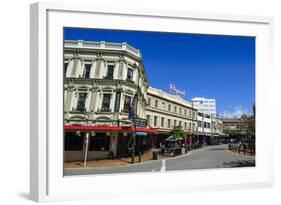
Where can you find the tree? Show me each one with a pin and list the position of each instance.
(178, 133)
(229, 132)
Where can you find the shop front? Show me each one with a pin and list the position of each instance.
(103, 142)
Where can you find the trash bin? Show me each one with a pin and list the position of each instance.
(154, 155)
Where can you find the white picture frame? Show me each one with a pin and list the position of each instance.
(46, 168)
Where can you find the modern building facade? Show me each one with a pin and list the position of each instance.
(101, 81)
(205, 105)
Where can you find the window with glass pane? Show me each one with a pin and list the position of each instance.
(127, 103)
(81, 101)
(106, 103)
(110, 70)
(99, 142)
(117, 101)
(162, 122)
(155, 121)
(87, 70)
(130, 74)
(73, 142)
(148, 119)
(156, 103)
(65, 68)
(169, 123)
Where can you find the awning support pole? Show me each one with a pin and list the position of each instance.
(86, 148)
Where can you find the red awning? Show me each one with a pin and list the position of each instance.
(74, 128)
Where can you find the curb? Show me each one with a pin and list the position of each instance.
(146, 162)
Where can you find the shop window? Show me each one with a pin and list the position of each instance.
(73, 142)
(99, 142)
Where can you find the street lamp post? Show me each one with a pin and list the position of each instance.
(86, 144)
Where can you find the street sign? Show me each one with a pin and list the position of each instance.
(140, 122)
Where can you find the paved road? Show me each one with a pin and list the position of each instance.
(205, 158)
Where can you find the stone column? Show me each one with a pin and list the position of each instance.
(68, 99)
(93, 102)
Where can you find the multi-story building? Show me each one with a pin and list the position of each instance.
(101, 79)
(204, 128)
(165, 111)
(235, 126)
(102, 82)
(218, 135)
(205, 105)
(204, 124)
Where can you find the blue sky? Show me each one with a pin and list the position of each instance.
(211, 66)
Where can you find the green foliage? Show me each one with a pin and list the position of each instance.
(251, 128)
(229, 132)
(178, 133)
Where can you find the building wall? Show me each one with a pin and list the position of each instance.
(206, 119)
(171, 108)
(97, 84)
(94, 83)
(204, 105)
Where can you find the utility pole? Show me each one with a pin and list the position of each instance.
(86, 143)
(135, 114)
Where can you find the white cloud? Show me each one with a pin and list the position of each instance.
(238, 111)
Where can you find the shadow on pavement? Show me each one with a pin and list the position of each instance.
(217, 149)
(240, 163)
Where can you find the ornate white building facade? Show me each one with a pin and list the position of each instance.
(101, 79)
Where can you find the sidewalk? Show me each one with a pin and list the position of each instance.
(247, 154)
(113, 162)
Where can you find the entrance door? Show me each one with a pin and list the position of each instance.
(122, 143)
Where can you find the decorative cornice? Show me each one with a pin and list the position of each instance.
(96, 82)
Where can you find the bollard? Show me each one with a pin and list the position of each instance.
(154, 155)
(139, 157)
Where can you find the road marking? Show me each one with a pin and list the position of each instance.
(163, 167)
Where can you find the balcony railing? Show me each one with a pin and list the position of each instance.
(105, 109)
(101, 45)
(79, 109)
